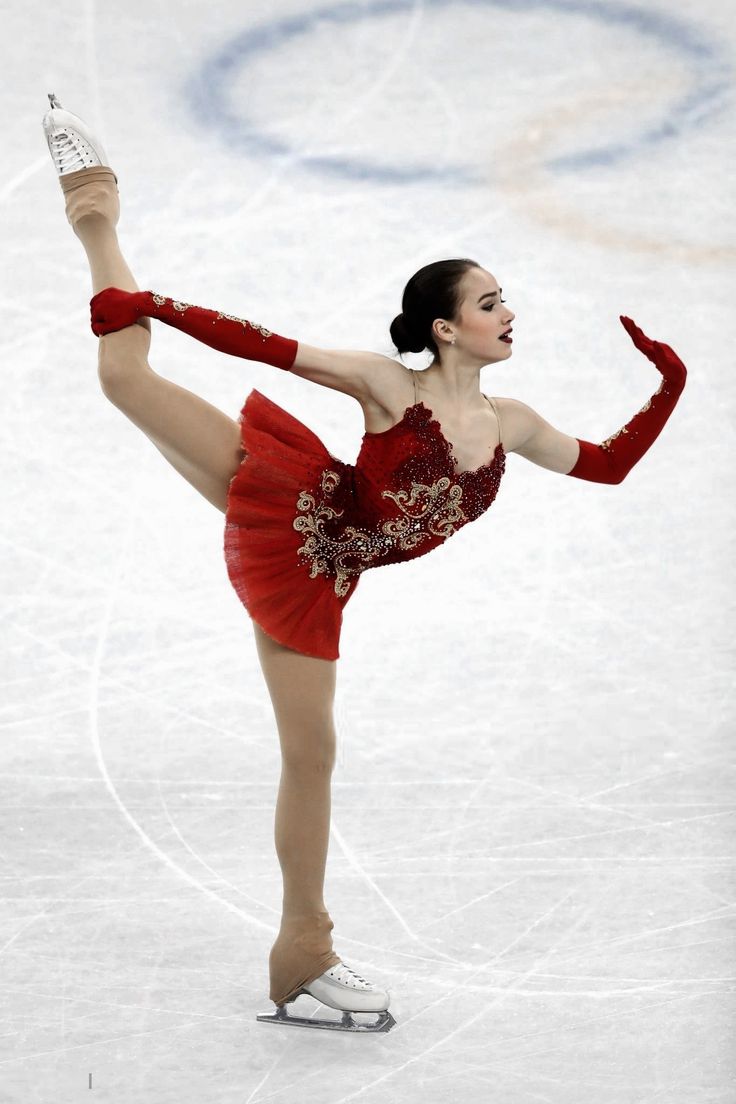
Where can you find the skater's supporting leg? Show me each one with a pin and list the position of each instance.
(302, 690)
(197, 439)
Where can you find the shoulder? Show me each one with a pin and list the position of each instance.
(388, 384)
(534, 438)
(517, 422)
(371, 378)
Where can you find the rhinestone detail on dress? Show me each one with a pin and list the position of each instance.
(431, 498)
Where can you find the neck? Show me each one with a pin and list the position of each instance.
(455, 384)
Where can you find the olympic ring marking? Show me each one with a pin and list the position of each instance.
(207, 91)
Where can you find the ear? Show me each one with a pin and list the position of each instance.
(441, 330)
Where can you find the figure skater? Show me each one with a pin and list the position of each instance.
(301, 526)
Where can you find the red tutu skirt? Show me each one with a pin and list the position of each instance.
(283, 460)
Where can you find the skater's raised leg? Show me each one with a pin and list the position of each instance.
(201, 442)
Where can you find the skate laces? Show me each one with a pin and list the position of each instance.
(66, 152)
(344, 974)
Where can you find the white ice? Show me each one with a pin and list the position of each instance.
(533, 814)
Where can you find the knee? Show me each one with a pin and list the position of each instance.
(123, 360)
(309, 750)
(308, 767)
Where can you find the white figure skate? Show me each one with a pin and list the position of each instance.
(344, 990)
(71, 143)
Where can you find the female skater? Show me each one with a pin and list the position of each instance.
(301, 526)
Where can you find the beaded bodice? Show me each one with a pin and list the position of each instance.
(402, 498)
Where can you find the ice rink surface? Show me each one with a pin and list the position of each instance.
(533, 809)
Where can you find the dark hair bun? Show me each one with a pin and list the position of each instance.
(403, 338)
(435, 291)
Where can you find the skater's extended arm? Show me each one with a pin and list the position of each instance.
(113, 309)
(613, 459)
(348, 371)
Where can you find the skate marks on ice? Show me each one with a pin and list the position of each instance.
(113, 598)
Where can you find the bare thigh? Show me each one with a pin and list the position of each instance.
(302, 690)
(201, 442)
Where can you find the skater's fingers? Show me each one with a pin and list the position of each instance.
(637, 335)
(630, 326)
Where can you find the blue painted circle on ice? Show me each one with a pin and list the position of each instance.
(208, 90)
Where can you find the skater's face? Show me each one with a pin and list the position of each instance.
(483, 317)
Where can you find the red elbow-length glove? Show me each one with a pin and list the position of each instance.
(113, 309)
(613, 459)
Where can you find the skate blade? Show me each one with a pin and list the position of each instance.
(384, 1021)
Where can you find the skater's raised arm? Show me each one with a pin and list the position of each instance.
(346, 371)
(113, 309)
(613, 459)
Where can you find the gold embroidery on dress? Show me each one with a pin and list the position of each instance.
(428, 510)
(440, 510)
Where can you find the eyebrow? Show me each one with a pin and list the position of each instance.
(489, 295)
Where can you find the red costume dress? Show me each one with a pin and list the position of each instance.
(301, 526)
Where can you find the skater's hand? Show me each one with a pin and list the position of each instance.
(662, 356)
(113, 309)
